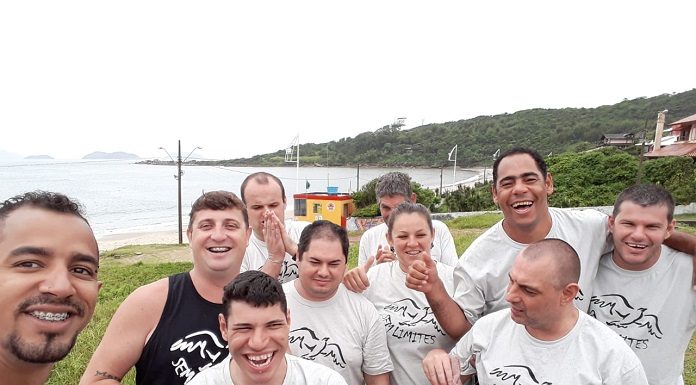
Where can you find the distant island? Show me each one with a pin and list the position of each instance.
(110, 155)
(38, 157)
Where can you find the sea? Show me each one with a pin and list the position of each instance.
(125, 197)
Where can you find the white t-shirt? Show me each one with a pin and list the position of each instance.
(344, 333)
(481, 276)
(257, 252)
(412, 330)
(654, 310)
(506, 354)
(300, 372)
(443, 244)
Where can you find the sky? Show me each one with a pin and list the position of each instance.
(240, 78)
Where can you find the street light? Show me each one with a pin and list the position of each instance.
(178, 179)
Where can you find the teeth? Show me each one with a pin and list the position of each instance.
(259, 360)
(53, 317)
(637, 245)
(518, 204)
(219, 249)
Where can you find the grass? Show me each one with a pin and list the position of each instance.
(121, 277)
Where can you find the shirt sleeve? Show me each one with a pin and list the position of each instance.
(447, 248)
(376, 357)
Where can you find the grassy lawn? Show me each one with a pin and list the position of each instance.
(121, 276)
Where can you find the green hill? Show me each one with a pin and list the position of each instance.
(546, 130)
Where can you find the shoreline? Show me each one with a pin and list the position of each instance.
(114, 241)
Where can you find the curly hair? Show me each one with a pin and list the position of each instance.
(47, 200)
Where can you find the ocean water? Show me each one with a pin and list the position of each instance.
(122, 197)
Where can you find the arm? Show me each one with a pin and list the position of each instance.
(126, 335)
(379, 379)
(685, 243)
(422, 276)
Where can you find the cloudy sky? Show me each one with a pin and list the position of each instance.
(242, 78)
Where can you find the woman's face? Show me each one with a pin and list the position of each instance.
(411, 237)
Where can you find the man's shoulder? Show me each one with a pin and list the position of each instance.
(577, 214)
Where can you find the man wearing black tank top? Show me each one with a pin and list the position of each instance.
(168, 329)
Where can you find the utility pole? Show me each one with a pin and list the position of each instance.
(178, 179)
(178, 175)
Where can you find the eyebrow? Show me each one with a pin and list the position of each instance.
(45, 253)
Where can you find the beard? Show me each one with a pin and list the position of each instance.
(45, 352)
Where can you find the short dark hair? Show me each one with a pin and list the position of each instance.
(538, 159)
(218, 200)
(394, 183)
(47, 200)
(255, 288)
(646, 195)
(322, 229)
(410, 208)
(261, 178)
(563, 255)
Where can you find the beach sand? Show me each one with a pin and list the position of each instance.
(113, 241)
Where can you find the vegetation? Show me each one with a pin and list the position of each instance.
(591, 178)
(546, 130)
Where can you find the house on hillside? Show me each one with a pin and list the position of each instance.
(618, 140)
(682, 139)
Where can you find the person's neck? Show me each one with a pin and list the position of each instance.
(15, 371)
(558, 328)
(528, 234)
(303, 293)
(211, 286)
(240, 378)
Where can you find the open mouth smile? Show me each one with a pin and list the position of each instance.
(259, 361)
(49, 316)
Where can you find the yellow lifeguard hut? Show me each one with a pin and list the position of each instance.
(331, 206)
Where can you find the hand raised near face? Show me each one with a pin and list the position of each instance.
(422, 274)
(384, 254)
(355, 279)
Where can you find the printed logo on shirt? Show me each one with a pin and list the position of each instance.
(634, 324)
(200, 346)
(403, 317)
(580, 296)
(517, 375)
(305, 344)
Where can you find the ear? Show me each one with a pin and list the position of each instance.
(494, 194)
(223, 326)
(390, 240)
(670, 228)
(248, 235)
(287, 317)
(549, 183)
(189, 233)
(569, 293)
(414, 197)
(611, 222)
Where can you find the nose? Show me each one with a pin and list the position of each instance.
(218, 233)
(639, 233)
(323, 270)
(257, 340)
(58, 283)
(519, 187)
(511, 295)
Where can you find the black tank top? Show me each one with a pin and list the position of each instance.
(186, 340)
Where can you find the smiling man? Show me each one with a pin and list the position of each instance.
(255, 322)
(642, 287)
(48, 283)
(168, 329)
(331, 325)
